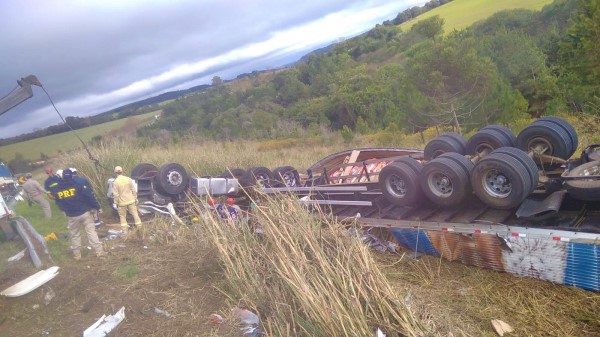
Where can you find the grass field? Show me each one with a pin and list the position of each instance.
(54, 144)
(460, 14)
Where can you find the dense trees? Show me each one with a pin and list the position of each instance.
(515, 63)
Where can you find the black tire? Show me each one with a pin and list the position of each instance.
(171, 179)
(500, 181)
(233, 173)
(445, 182)
(257, 175)
(140, 169)
(462, 142)
(546, 134)
(441, 145)
(400, 185)
(527, 161)
(506, 132)
(588, 189)
(412, 163)
(569, 129)
(461, 160)
(286, 176)
(486, 140)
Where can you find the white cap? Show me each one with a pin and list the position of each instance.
(59, 173)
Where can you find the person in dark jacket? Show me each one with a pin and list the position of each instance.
(51, 182)
(77, 200)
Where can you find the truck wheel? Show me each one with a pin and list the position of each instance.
(461, 160)
(508, 134)
(462, 142)
(171, 179)
(586, 189)
(486, 140)
(445, 182)
(569, 129)
(412, 163)
(400, 185)
(527, 161)
(286, 176)
(500, 181)
(233, 173)
(442, 144)
(140, 169)
(546, 135)
(257, 175)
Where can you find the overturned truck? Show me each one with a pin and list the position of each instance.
(510, 203)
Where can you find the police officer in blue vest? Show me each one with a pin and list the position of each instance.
(77, 199)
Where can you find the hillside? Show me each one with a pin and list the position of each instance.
(515, 63)
(53, 145)
(460, 14)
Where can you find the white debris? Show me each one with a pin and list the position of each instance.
(501, 327)
(17, 256)
(105, 324)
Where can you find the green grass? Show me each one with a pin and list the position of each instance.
(460, 14)
(128, 271)
(63, 142)
(59, 249)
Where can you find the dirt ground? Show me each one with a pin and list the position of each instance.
(184, 282)
(137, 275)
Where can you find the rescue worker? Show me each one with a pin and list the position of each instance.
(34, 192)
(110, 197)
(125, 196)
(51, 181)
(77, 200)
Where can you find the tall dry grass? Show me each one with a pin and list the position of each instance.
(199, 157)
(307, 276)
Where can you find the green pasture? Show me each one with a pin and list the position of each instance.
(63, 142)
(460, 14)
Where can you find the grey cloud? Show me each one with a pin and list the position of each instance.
(94, 48)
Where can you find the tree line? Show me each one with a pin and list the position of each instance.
(515, 63)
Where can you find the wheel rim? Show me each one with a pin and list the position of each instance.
(440, 185)
(289, 179)
(540, 145)
(262, 179)
(484, 148)
(496, 184)
(174, 178)
(396, 186)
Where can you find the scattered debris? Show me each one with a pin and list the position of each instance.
(162, 312)
(408, 299)
(250, 321)
(501, 327)
(216, 319)
(49, 296)
(414, 255)
(51, 236)
(105, 324)
(17, 256)
(380, 333)
(31, 283)
(36, 306)
(374, 242)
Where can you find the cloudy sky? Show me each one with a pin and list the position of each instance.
(95, 55)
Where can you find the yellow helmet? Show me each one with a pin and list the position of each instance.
(21, 180)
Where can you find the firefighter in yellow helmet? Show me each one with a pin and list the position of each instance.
(125, 197)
